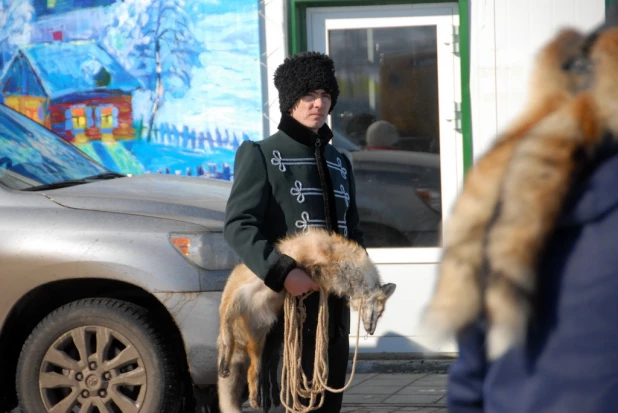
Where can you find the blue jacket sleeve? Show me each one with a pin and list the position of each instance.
(467, 374)
(244, 216)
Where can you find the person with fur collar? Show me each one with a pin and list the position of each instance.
(569, 360)
(288, 182)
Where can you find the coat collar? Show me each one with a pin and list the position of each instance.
(301, 134)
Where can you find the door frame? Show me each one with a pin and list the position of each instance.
(445, 18)
(297, 42)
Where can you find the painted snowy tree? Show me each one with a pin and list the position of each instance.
(15, 26)
(154, 41)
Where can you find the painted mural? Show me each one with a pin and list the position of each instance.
(141, 86)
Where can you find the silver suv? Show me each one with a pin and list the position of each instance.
(109, 284)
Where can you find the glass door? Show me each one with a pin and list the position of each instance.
(397, 119)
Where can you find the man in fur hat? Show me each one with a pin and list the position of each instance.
(293, 180)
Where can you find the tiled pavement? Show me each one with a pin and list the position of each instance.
(390, 393)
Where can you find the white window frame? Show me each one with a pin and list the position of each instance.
(446, 19)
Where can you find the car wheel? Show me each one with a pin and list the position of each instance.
(97, 355)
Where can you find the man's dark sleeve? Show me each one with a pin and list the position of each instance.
(352, 219)
(244, 215)
(467, 374)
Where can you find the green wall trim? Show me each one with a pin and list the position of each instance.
(297, 15)
(297, 35)
(609, 3)
(464, 59)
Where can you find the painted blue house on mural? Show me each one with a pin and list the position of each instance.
(75, 89)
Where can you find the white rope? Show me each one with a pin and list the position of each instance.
(298, 394)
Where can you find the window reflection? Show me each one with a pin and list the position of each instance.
(31, 155)
(386, 121)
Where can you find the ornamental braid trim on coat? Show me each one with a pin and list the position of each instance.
(249, 308)
(513, 196)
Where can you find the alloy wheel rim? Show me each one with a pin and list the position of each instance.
(92, 368)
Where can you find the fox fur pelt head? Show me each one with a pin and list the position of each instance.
(513, 195)
(249, 308)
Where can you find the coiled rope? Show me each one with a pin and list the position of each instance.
(298, 394)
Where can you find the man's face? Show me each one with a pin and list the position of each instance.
(312, 110)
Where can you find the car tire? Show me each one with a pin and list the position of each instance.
(101, 352)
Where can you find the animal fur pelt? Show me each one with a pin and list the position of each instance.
(512, 197)
(249, 308)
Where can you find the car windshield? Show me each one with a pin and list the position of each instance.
(32, 157)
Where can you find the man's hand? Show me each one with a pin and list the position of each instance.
(299, 282)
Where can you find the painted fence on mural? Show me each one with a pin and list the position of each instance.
(171, 150)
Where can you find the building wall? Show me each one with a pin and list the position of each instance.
(413, 270)
(232, 87)
(200, 96)
(274, 31)
(505, 36)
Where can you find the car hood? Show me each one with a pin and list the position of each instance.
(189, 199)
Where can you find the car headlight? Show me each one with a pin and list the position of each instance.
(207, 250)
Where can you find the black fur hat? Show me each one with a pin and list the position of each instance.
(303, 73)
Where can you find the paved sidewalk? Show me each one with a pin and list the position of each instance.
(390, 393)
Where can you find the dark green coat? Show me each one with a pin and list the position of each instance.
(284, 184)
(278, 191)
